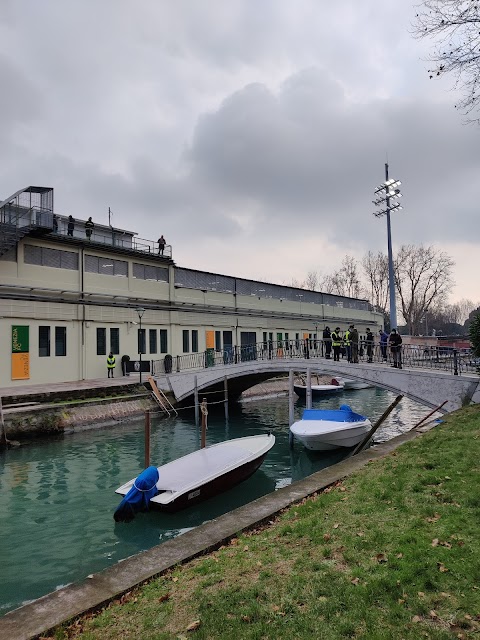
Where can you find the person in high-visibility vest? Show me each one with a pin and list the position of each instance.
(347, 345)
(110, 364)
(336, 344)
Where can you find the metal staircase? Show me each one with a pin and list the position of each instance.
(27, 212)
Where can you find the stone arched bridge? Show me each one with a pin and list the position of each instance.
(429, 387)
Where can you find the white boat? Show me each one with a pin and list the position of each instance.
(325, 429)
(318, 390)
(194, 477)
(350, 383)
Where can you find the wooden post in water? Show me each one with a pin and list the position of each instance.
(147, 438)
(290, 407)
(3, 435)
(195, 400)
(383, 417)
(225, 402)
(309, 388)
(204, 410)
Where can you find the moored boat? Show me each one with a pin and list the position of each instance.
(318, 390)
(194, 477)
(325, 429)
(351, 383)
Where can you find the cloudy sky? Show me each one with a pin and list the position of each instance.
(251, 133)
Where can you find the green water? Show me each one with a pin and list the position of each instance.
(57, 496)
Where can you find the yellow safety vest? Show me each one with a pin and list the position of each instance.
(111, 362)
(346, 338)
(336, 339)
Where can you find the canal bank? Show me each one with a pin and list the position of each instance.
(37, 618)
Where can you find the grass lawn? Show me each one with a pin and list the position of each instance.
(391, 552)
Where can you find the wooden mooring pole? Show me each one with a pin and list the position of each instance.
(204, 410)
(147, 438)
(225, 403)
(382, 418)
(290, 407)
(195, 401)
(309, 388)
(3, 435)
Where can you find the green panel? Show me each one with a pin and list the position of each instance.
(20, 339)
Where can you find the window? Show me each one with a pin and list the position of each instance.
(142, 346)
(101, 341)
(60, 341)
(163, 341)
(115, 341)
(44, 257)
(186, 341)
(218, 341)
(106, 266)
(152, 335)
(43, 342)
(147, 272)
(194, 341)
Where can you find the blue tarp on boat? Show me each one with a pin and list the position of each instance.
(144, 488)
(344, 414)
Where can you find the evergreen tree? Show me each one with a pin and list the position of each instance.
(474, 333)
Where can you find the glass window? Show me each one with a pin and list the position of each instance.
(163, 341)
(43, 341)
(152, 335)
(186, 341)
(194, 341)
(45, 257)
(106, 266)
(101, 341)
(218, 341)
(60, 341)
(142, 346)
(115, 340)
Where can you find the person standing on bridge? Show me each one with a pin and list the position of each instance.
(354, 343)
(337, 344)
(327, 341)
(395, 342)
(369, 345)
(383, 343)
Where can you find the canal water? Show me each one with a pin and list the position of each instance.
(57, 496)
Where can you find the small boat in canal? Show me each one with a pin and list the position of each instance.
(318, 390)
(194, 477)
(326, 429)
(351, 383)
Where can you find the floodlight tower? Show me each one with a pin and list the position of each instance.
(385, 193)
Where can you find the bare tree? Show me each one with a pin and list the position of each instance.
(312, 281)
(346, 281)
(423, 276)
(375, 268)
(455, 24)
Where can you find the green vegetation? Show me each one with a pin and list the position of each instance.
(392, 552)
(474, 334)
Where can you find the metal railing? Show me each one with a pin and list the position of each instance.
(439, 358)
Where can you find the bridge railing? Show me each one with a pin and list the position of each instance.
(419, 356)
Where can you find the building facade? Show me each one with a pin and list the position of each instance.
(67, 299)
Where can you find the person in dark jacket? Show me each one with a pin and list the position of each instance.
(395, 342)
(89, 226)
(369, 345)
(327, 341)
(70, 226)
(354, 343)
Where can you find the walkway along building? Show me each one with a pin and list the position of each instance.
(67, 300)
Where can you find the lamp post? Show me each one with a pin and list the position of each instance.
(140, 311)
(385, 193)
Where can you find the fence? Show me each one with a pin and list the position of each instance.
(425, 357)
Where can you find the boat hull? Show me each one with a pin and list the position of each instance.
(334, 440)
(210, 489)
(353, 385)
(318, 391)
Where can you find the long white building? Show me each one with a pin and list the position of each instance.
(67, 300)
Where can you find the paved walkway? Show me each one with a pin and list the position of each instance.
(77, 385)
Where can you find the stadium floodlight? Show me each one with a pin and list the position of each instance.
(387, 191)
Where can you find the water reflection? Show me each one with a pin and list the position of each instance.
(57, 496)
